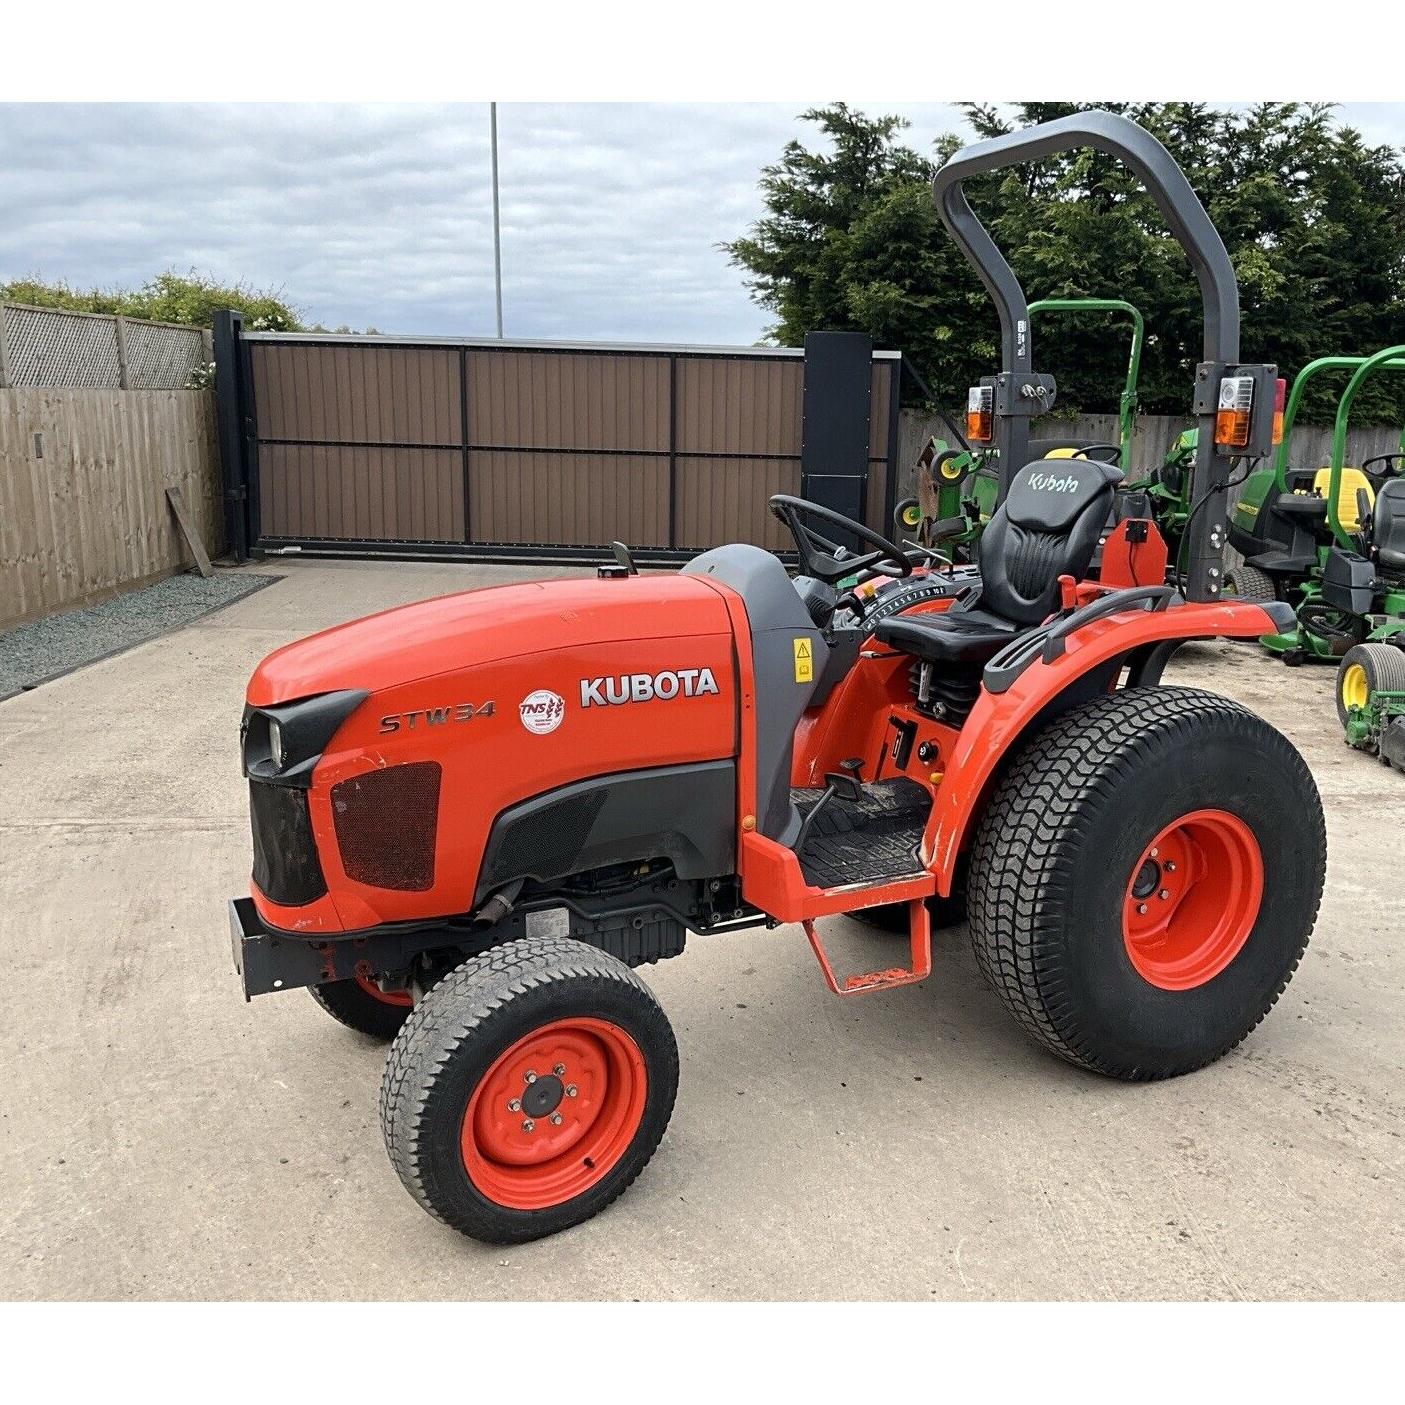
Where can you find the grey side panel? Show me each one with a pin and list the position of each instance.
(778, 619)
(683, 813)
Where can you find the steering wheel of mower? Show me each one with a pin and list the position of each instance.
(826, 560)
(1394, 464)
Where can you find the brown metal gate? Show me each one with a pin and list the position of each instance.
(516, 450)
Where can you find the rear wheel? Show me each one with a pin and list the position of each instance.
(1145, 878)
(1367, 669)
(360, 1004)
(528, 1089)
(1246, 582)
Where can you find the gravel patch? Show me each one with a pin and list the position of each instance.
(32, 654)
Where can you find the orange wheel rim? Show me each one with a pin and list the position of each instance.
(554, 1113)
(1192, 899)
(386, 997)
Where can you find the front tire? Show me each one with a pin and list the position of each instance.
(1145, 878)
(361, 1005)
(528, 1089)
(1367, 669)
(1246, 582)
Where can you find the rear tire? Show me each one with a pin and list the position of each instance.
(1061, 895)
(504, 1157)
(361, 1006)
(1246, 582)
(1365, 669)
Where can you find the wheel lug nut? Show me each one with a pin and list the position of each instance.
(528, 1125)
(1164, 894)
(570, 1090)
(531, 1076)
(1154, 852)
(559, 1070)
(514, 1104)
(1170, 867)
(555, 1119)
(1141, 907)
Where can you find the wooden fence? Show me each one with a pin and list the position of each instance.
(1309, 447)
(83, 479)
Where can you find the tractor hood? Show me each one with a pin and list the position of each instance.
(437, 636)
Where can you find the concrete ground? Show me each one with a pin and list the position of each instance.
(162, 1139)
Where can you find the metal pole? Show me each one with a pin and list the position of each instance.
(497, 225)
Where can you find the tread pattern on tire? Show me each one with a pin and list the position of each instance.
(484, 984)
(1247, 582)
(1022, 853)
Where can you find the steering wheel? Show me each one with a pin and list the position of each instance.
(1112, 452)
(826, 560)
(1397, 460)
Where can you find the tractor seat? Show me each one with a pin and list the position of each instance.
(1388, 526)
(1047, 527)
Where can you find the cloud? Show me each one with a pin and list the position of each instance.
(374, 214)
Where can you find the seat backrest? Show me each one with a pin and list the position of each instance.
(1388, 525)
(1351, 480)
(1047, 527)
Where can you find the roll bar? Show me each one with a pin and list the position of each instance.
(1388, 359)
(1137, 149)
(1019, 393)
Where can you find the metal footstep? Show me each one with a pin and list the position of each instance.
(919, 966)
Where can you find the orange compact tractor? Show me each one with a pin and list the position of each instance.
(474, 816)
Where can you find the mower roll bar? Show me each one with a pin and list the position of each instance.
(1020, 393)
(1391, 358)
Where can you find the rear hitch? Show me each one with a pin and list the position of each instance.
(919, 964)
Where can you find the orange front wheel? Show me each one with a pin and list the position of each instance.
(528, 1089)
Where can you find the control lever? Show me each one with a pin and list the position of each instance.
(846, 783)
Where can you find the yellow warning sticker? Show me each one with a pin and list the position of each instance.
(804, 661)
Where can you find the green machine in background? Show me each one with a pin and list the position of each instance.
(1353, 520)
(964, 482)
(1281, 523)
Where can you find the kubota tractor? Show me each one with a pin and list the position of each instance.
(474, 816)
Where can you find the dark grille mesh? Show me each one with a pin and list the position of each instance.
(285, 856)
(386, 822)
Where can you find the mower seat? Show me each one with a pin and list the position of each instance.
(1388, 526)
(1047, 527)
(1352, 482)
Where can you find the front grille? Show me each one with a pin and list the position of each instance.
(386, 823)
(286, 867)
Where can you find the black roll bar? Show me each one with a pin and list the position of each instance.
(1020, 393)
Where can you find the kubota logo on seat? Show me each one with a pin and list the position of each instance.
(641, 687)
(1047, 483)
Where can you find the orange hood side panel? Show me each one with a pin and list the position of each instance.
(514, 691)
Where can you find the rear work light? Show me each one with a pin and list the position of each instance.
(980, 413)
(1280, 396)
(1235, 411)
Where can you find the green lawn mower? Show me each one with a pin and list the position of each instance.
(1281, 524)
(1371, 698)
(1352, 520)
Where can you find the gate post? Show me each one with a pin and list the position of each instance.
(229, 409)
(835, 421)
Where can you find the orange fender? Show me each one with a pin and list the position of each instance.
(993, 729)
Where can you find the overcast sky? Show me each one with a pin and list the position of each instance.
(381, 215)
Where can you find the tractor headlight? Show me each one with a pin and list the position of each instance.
(284, 742)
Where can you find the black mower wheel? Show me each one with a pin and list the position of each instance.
(364, 1007)
(1145, 878)
(1366, 669)
(1246, 582)
(528, 1089)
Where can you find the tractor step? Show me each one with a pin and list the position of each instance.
(868, 843)
(919, 965)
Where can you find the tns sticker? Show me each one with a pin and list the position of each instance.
(542, 711)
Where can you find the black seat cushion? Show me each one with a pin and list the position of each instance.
(1047, 527)
(950, 636)
(1388, 526)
